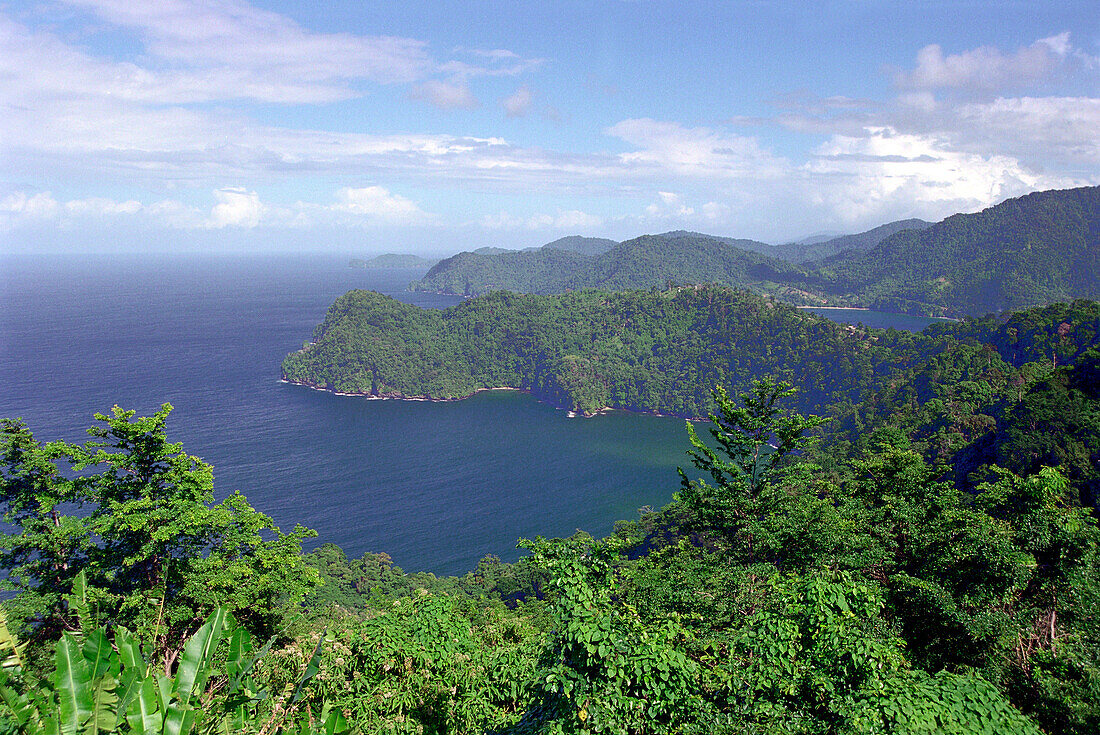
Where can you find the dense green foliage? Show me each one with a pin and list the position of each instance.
(644, 262)
(773, 595)
(102, 683)
(546, 270)
(1033, 250)
(650, 260)
(654, 260)
(923, 557)
(642, 350)
(657, 351)
(133, 516)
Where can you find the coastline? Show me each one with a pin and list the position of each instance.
(841, 308)
(570, 413)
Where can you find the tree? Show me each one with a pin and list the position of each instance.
(136, 515)
(751, 440)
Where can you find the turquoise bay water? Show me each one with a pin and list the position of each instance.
(876, 319)
(435, 485)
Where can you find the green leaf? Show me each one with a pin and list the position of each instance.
(312, 668)
(72, 681)
(99, 654)
(196, 662)
(179, 720)
(78, 601)
(143, 716)
(129, 652)
(10, 648)
(104, 708)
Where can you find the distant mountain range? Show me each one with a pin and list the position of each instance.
(393, 260)
(1029, 251)
(812, 249)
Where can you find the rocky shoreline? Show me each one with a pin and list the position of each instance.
(432, 399)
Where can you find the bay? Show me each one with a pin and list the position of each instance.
(435, 485)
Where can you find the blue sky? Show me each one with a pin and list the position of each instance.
(438, 126)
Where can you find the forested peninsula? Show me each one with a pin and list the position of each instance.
(659, 350)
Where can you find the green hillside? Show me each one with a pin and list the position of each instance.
(644, 262)
(683, 258)
(1036, 249)
(582, 245)
(798, 252)
(545, 270)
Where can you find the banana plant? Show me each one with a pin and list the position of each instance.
(99, 686)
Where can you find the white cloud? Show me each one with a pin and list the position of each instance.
(36, 206)
(230, 45)
(518, 104)
(236, 207)
(1065, 129)
(493, 63)
(669, 205)
(572, 220)
(452, 95)
(715, 211)
(176, 215)
(986, 67)
(887, 175)
(101, 207)
(693, 151)
(366, 205)
(575, 219)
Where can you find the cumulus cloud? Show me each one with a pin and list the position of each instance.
(1065, 129)
(366, 205)
(986, 67)
(101, 207)
(236, 207)
(669, 204)
(518, 104)
(39, 206)
(861, 178)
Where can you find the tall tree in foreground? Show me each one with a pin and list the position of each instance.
(751, 438)
(137, 516)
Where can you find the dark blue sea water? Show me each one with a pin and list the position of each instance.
(436, 485)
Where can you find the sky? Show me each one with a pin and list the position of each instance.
(430, 126)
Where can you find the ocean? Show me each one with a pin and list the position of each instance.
(437, 486)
